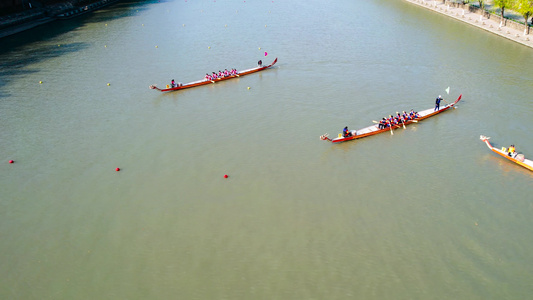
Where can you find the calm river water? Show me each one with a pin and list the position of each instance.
(426, 213)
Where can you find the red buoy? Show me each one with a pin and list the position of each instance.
(226, 176)
(117, 169)
(11, 161)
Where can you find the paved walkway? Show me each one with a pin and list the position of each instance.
(477, 20)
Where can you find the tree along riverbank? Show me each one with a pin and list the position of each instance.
(39, 13)
(504, 28)
(513, 14)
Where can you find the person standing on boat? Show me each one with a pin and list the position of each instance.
(260, 63)
(173, 83)
(437, 102)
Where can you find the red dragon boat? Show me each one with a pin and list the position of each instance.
(374, 129)
(517, 158)
(205, 81)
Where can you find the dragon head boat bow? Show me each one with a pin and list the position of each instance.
(517, 158)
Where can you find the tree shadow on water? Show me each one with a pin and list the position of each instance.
(20, 51)
(18, 64)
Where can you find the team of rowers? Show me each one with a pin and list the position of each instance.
(221, 74)
(390, 121)
(398, 119)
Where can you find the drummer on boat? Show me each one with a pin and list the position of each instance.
(346, 132)
(512, 151)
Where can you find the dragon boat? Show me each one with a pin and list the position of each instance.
(201, 82)
(374, 129)
(518, 159)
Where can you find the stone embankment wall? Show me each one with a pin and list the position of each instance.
(22, 17)
(477, 10)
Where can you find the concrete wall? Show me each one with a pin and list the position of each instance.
(474, 9)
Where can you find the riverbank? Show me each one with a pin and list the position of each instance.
(482, 21)
(21, 21)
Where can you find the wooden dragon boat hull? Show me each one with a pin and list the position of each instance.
(374, 129)
(526, 163)
(205, 81)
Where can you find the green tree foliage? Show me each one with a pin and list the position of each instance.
(503, 4)
(525, 8)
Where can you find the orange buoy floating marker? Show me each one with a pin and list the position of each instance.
(117, 169)
(11, 161)
(226, 176)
